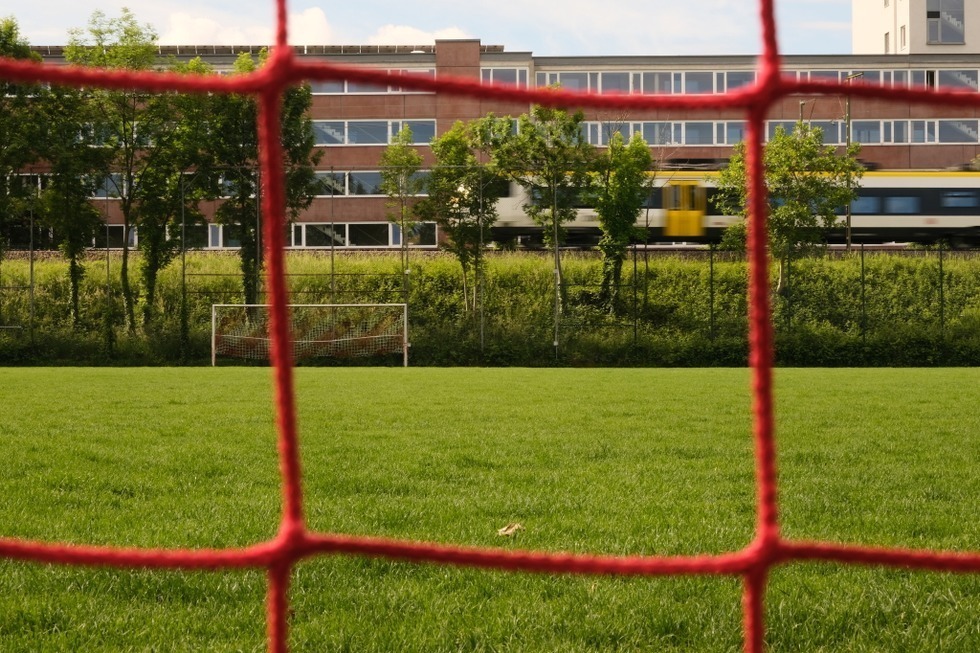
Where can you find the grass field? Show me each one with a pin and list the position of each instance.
(605, 461)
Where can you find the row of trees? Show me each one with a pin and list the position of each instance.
(160, 154)
(545, 152)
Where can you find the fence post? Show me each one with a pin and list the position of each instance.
(711, 291)
(789, 293)
(942, 296)
(864, 306)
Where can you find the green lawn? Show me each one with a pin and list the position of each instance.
(604, 461)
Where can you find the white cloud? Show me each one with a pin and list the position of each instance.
(185, 29)
(310, 27)
(405, 35)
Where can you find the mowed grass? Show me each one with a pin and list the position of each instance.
(602, 461)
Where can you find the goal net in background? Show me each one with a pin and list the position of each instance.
(326, 331)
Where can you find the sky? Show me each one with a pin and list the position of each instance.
(542, 27)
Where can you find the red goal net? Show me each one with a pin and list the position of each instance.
(295, 541)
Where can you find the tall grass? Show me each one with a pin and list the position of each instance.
(881, 309)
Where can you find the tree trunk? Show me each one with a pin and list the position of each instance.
(75, 272)
(782, 282)
(149, 288)
(129, 309)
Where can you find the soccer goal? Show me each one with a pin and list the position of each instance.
(317, 331)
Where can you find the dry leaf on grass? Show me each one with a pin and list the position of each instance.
(510, 529)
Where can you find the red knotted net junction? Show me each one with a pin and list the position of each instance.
(295, 542)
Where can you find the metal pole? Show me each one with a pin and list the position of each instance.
(711, 291)
(258, 235)
(108, 293)
(847, 149)
(30, 324)
(554, 224)
(864, 307)
(183, 276)
(479, 269)
(405, 343)
(942, 298)
(636, 302)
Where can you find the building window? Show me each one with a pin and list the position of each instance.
(370, 132)
(615, 82)
(513, 76)
(699, 133)
(945, 21)
(657, 83)
(698, 82)
(333, 87)
(965, 80)
(903, 43)
(365, 183)
(866, 131)
(958, 131)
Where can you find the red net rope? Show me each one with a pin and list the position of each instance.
(295, 541)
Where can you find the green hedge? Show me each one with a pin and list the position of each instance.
(673, 309)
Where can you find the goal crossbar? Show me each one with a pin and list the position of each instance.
(316, 330)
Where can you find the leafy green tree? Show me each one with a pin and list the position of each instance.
(18, 137)
(167, 192)
(65, 207)
(400, 181)
(619, 188)
(807, 183)
(550, 158)
(233, 166)
(129, 124)
(75, 171)
(461, 198)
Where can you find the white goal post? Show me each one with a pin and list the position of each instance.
(316, 330)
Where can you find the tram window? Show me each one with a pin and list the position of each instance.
(959, 199)
(905, 205)
(866, 205)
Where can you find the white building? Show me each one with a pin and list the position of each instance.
(915, 26)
